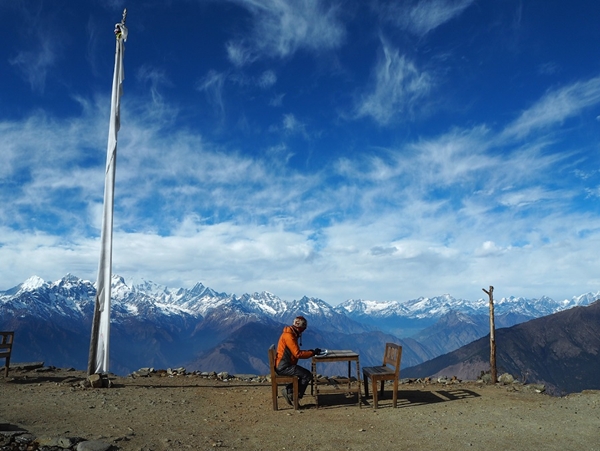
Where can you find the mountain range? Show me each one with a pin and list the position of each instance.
(201, 329)
(560, 350)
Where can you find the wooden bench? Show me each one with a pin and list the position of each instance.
(392, 357)
(6, 342)
(276, 380)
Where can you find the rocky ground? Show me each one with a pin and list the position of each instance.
(194, 412)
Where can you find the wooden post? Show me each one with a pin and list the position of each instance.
(493, 370)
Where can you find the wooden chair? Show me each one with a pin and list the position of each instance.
(6, 342)
(392, 356)
(276, 380)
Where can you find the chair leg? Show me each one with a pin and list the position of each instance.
(374, 387)
(366, 383)
(395, 402)
(274, 395)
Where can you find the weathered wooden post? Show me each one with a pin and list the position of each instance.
(493, 371)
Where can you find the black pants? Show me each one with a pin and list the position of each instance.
(304, 378)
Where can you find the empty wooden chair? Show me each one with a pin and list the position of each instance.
(389, 371)
(276, 380)
(6, 342)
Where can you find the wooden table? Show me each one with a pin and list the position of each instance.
(337, 356)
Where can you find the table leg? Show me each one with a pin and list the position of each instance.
(358, 380)
(315, 385)
(349, 373)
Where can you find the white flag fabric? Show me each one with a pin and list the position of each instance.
(99, 348)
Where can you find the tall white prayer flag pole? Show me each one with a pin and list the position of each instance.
(98, 358)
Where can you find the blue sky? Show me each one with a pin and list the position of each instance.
(336, 149)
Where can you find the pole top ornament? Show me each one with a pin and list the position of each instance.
(120, 28)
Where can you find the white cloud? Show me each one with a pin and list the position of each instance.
(488, 248)
(35, 64)
(280, 28)
(525, 197)
(212, 84)
(423, 16)
(277, 100)
(293, 125)
(156, 78)
(555, 107)
(267, 79)
(445, 214)
(397, 86)
(38, 49)
(239, 54)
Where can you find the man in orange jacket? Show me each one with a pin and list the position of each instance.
(288, 354)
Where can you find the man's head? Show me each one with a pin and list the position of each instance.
(300, 324)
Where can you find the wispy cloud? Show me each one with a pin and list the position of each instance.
(267, 79)
(555, 107)
(155, 78)
(292, 125)
(212, 85)
(40, 48)
(396, 87)
(421, 17)
(35, 64)
(280, 28)
(464, 205)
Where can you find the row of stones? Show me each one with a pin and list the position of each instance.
(21, 440)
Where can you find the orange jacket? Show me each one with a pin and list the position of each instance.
(288, 351)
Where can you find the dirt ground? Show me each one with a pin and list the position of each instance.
(194, 413)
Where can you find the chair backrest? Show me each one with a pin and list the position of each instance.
(392, 356)
(272, 356)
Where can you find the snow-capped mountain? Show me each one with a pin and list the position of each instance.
(439, 306)
(407, 318)
(154, 325)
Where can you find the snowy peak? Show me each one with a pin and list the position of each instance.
(311, 307)
(364, 307)
(437, 307)
(73, 295)
(582, 300)
(202, 291)
(32, 284)
(265, 302)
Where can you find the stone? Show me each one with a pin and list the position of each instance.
(246, 377)
(95, 380)
(506, 379)
(93, 445)
(141, 373)
(99, 381)
(28, 366)
(58, 442)
(538, 388)
(66, 442)
(24, 438)
(47, 441)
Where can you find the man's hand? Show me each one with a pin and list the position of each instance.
(316, 351)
